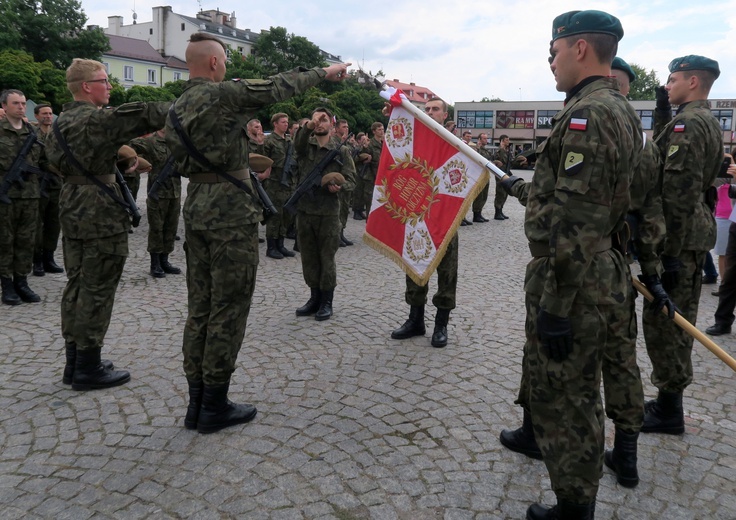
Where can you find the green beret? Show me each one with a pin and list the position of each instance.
(620, 64)
(695, 63)
(581, 22)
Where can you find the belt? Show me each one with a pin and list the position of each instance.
(541, 249)
(85, 180)
(211, 178)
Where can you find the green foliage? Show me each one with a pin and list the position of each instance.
(53, 86)
(19, 71)
(244, 67)
(278, 51)
(642, 88)
(52, 30)
(490, 100)
(175, 87)
(146, 93)
(118, 95)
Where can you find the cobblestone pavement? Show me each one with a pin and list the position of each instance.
(351, 424)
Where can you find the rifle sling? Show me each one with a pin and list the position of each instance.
(201, 159)
(91, 176)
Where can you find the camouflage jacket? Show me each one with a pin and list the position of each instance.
(153, 149)
(374, 148)
(485, 152)
(94, 136)
(692, 150)
(213, 115)
(579, 197)
(53, 181)
(646, 208)
(276, 148)
(11, 141)
(501, 158)
(322, 202)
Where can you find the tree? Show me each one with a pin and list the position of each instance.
(51, 30)
(146, 94)
(19, 71)
(278, 51)
(642, 88)
(244, 67)
(490, 100)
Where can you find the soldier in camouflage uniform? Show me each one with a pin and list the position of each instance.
(318, 218)
(94, 225)
(342, 129)
(374, 147)
(17, 219)
(578, 294)
(48, 228)
(221, 220)
(279, 185)
(501, 159)
(163, 211)
(482, 198)
(691, 146)
(444, 298)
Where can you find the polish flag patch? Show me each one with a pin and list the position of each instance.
(679, 127)
(578, 123)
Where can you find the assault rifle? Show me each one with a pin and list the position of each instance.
(314, 180)
(166, 172)
(135, 214)
(18, 168)
(288, 165)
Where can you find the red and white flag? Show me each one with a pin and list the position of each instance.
(424, 187)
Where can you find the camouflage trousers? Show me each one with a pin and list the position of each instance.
(668, 346)
(17, 236)
(500, 198)
(319, 239)
(366, 197)
(134, 184)
(564, 398)
(444, 298)
(93, 269)
(163, 221)
(221, 277)
(344, 197)
(277, 224)
(480, 201)
(356, 196)
(49, 226)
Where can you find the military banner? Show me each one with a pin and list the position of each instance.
(427, 179)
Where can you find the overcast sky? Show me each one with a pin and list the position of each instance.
(466, 50)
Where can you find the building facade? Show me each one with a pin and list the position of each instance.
(416, 94)
(528, 123)
(136, 62)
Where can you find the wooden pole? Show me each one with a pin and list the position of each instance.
(690, 329)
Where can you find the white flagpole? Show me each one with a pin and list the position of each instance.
(444, 133)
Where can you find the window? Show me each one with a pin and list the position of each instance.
(725, 118)
(152, 76)
(107, 67)
(544, 118)
(177, 76)
(647, 119)
(128, 73)
(515, 119)
(475, 119)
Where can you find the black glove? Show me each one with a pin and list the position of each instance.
(670, 277)
(508, 182)
(555, 333)
(661, 298)
(732, 191)
(663, 98)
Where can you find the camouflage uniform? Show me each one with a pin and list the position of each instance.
(276, 148)
(49, 227)
(369, 176)
(444, 298)
(163, 214)
(346, 195)
(220, 219)
(501, 158)
(94, 226)
(18, 219)
(576, 201)
(692, 150)
(318, 224)
(480, 201)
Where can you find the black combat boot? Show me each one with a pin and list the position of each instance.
(166, 265)
(478, 217)
(10, 297)
(312, 304)
(564, 510)
(522, 440)
(49, 264)
(622, 458)
(325, 305)
(466, 222)
(91, 374)
(664, 414)
(156, 270)
(21, 289)
(439, 336)
(499, 215)
(291, 232)
(285, 252)
(272, 250)
(345, 240)
(196, 389)
(71, 359)
(217, 412)
(38, 269)
(414, 326)
(358, 215)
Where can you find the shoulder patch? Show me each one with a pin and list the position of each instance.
(679, 128)
(672, 150)
(574, 163)
(578, 123)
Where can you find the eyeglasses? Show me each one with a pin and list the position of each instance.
(106, 81)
